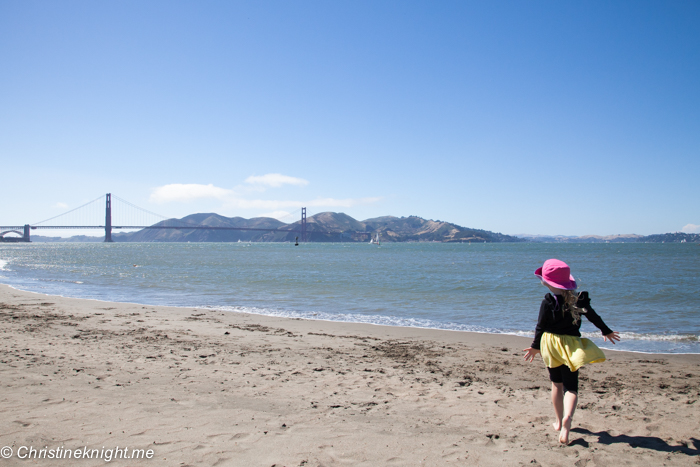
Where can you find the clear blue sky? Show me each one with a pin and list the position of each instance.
(537, 117)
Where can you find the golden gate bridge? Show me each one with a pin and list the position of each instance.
(132, 217)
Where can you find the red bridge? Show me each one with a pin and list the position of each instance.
(88, 210)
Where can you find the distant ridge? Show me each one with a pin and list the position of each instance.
(676, 237)
(624, 238)
(321, 227)
(335, 227)
(413, 228)
(210, 220)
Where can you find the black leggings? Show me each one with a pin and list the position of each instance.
(562, 374)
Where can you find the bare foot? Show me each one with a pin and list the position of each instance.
(557, 425)
(564, 433)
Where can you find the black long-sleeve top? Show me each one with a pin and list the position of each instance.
(554, 320)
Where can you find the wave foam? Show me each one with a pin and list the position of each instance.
(365, 319)
(633, 336)
(430, 324)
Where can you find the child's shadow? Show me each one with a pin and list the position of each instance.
(648, 442)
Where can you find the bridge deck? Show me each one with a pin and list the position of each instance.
(188, 227)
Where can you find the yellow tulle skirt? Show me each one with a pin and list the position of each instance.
(574, 352)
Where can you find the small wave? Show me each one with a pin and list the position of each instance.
(627, 337)
(60, 281)
(367, 319)
(633, 336)
(3, 263)
(661, 337)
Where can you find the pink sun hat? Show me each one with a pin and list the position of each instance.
(557, 274)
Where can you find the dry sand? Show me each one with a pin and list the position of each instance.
(202, 387)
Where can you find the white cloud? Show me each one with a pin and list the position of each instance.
(266, 204)
(188, 192)
(275, 180)
(691, 228)
(60, 205)
(341, 203)
(232, 200)
(274, 205)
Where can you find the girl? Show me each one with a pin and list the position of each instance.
(558, 339)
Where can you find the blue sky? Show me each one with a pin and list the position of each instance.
(537, 117)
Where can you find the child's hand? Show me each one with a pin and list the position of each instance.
(530, 353)
(612, 337)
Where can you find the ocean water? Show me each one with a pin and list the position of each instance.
(648, 292)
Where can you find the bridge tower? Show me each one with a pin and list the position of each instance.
(303, 224)
(25, 238)
(108, 218)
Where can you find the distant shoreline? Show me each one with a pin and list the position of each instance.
(677, 237)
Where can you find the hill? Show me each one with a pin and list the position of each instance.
(334, 227)
(626, 238)
(204, 219)
(322, 227)
(417, 229)
(677, 237)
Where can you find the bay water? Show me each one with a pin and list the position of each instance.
(647, 292)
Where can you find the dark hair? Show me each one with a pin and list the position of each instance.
(570, 301)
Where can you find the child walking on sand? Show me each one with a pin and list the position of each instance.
(558, 339)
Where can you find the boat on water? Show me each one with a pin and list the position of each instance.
(374, 240)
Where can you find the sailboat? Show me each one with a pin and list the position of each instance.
(374, 240)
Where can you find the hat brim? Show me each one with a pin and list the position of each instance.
(570, 285)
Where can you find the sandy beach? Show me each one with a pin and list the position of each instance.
(203, 387)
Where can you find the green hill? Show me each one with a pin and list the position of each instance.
(321, 227)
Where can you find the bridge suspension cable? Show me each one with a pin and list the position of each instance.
(292, 215)
(136, 216)
(99, 198)
(95, 215)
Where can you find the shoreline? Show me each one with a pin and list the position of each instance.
(222, 309)
(201, 386)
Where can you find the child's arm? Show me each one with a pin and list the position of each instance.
(541, 319)
(534, 349)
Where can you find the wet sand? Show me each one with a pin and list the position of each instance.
(202, 387)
